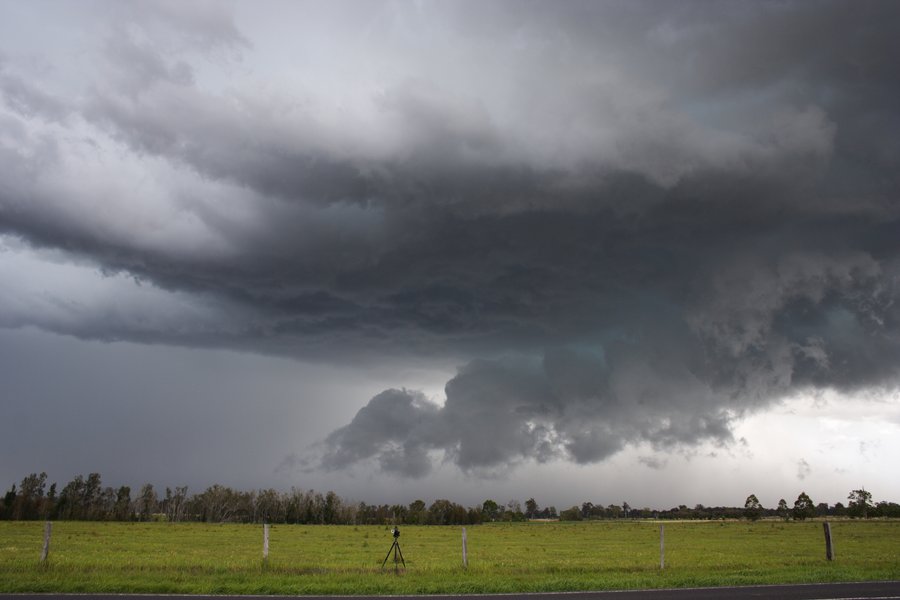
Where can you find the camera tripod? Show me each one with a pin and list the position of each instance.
(395, 548)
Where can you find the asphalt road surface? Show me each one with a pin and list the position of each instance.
(883, 590)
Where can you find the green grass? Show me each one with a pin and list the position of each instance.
(214, 559)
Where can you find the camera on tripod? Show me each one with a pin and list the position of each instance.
(395, 548)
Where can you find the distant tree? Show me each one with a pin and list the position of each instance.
(890, 510)
(147, 502)
(122, 509)
(587, 509)
(459, 515)
(513, 511)
(399, 512)
(803, 507)
(531, 508)
(490, 510)
(293, 510)
(29, 502)
(417, 514)
(217, 504)
(92, 497)
(626, 509)
(860, 503)
(175, 504)
(571, 514)
(783, 511)
(315, 508)
(107, 505)
(270, 506)
(440, 512)
(8, 500)
(752, 508)
(331, 508)
(50, 509)
(444, 512)
(71, 500)
(367, 515)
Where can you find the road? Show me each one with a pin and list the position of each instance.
(881, 590)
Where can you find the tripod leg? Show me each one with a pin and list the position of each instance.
(401, 556)
(384, 562)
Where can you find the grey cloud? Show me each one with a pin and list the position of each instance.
(390, 426)
(576, 405)
(685, 223)
(204, 25)
(652, 462)
(803, 469)
(141, 65)
(418, 138)
(432, 120)
(28, 99)
(667, 376)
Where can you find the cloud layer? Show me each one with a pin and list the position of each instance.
(629, 222)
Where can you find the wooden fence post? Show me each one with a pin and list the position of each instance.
(829, 548)
(266, 542)
(465, 557)
(662, 547)
(48, 526)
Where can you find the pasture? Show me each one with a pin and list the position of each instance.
(338, 559)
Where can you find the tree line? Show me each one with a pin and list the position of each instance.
(86, 498)
(859, 505)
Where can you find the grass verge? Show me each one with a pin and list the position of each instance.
(194, 558)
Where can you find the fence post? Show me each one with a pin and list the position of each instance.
(265, 542)
(662, 547)
(829, 548)
(465, 557)
(48, 526)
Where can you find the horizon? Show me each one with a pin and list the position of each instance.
(161, 490)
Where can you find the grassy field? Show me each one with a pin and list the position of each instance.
(213, 559)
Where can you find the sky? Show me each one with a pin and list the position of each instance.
(643, 252)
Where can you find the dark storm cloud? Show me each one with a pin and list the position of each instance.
(582, 406)
(645, 220)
